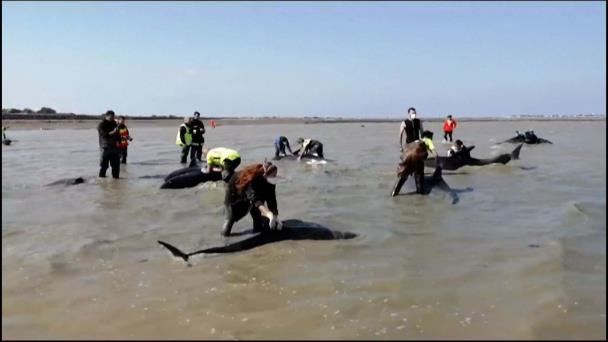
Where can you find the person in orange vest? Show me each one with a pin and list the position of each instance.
(448, 127)
(123, 142)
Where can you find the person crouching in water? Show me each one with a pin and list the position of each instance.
(413, 162)
(279, 147)
(252, 190)
(310, 148)
(125, 137)
(457, 149)
(224, 158)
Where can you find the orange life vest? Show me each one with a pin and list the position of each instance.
(124, 137)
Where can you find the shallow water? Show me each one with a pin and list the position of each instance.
(522, 254)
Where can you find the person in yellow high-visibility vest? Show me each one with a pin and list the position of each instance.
(184, 140)
(224, 158)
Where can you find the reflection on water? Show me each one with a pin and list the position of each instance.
(521, 255)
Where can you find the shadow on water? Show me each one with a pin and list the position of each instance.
(292, 230)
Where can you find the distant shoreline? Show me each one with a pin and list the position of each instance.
(51, 122)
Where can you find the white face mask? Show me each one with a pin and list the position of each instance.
(413, 115)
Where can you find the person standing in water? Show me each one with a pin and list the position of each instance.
(412, 127)
(198, 129)
(448, 127)
(125, 137)
(280, 143)
(184, 140)
(108, 140)
(412, 162)
(252, 190)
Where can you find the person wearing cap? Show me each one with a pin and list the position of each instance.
(412, 127)
(448, 128)
(252, 190)
(184, 140)
(109, 137)
(198, 129)
(309, 148)
(223, 158)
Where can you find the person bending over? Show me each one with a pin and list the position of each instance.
(279, 146)
(310, 148)
(223, 158)
(252, 190)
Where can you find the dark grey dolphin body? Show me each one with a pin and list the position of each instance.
(292, 230)
(189, 177)
(433, 181)
(7, 142)
(528, 140)
(68, 181)
(464, 159)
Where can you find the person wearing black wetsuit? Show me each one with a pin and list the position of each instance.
(252, 190)
(108, 140)
(412, 127)
(198, 129)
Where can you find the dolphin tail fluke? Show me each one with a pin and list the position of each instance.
(175, 251)
(515, 153)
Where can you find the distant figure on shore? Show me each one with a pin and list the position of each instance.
(412, 127)
(125, 137)
(108, 142)
(252, 190)
(223, 158)
(448, 127)
(198, 129)
(280, 143)
(310, 148)
(184, 140)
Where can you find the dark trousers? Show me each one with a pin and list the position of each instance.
(446, 134)
(122, 152)
(418, 177)
(234, 213)
(196, 149)
(109, 156)
(184, 156)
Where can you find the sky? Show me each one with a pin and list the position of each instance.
(331, 59)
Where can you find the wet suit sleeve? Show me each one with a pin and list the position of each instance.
(102, 132)
(287, 145)
(272, 199)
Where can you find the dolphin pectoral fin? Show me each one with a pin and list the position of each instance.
(515, 153)
(175, 251)
(541, 140)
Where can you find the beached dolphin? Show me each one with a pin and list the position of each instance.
(68, 181)
(7, 142)
(528, 137)
(292, 230)
(189, 177)
(464, 158)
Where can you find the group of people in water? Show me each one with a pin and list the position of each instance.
(252, 189)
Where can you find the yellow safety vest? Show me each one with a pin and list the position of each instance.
(187, 136)
(216, 156)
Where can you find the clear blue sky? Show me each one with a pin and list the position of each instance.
(351, 59)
